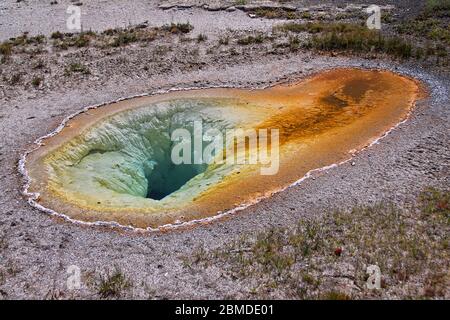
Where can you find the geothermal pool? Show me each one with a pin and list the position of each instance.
(114, 163)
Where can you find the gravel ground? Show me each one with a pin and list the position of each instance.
(32, 15)
(36, 250)
(102, 15)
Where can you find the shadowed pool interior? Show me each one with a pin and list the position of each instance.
(166, 178)
(114, 163)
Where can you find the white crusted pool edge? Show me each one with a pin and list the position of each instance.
(32, 197)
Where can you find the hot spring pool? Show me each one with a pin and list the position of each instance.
(114, 163)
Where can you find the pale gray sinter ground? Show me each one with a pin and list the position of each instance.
(33, 16)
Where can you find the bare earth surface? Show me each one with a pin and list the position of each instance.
(36, 250)
(33, 15)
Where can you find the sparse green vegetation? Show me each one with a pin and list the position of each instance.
(201, 37)
(405, 243)
(123, 38)
(356, 38)
(430, 29)
(3, 243)
(224, 40)
(6, 49)
(37, 39)
(306, 15)
(24, 39)
(275, 13)
(436, 203)
(64, 41)
(251, 39)
(115, 37)
(77, 68)
(440, 8)
(39, 64)
(294, 43)
(335, 295)
(318, 27)
(112, 284)
(16, 78)
(57, 35)
(178, 28)
(36, 82)
(81, 40)
(362, 41)
(108, 38)
(349, 37)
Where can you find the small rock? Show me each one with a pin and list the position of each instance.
(44, 245)
(166, 6)
(214, 7)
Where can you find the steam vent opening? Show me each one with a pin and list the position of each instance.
(120, 162)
